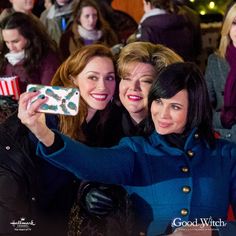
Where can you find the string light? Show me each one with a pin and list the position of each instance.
(202, 12)
(212, 5)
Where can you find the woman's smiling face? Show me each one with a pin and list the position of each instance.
(134, 88)
(170, 115)
(97, 82)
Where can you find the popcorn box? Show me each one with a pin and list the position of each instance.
(9, 85)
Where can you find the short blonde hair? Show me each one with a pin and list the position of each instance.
(156, 55)
(225, 37)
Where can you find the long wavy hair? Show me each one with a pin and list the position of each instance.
(179, 76)
(39, 43)
(227, 23)
(72, 67)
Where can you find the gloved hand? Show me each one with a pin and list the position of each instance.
(97, 202)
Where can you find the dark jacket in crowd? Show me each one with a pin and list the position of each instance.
(17, 179)
(171, 30)
(31, 189)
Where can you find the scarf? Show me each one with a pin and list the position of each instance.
(89, 34)
(56, 11)
(228, 113)
(15, 57)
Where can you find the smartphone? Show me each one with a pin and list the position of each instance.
(61, 100)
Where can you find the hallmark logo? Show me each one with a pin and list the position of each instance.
(22, 224)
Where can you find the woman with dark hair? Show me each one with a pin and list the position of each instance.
(92, 70)
(27, 51)
(199, 113)
(176, 175)
(88, 27)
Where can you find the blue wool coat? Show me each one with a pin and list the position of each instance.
(166, 183)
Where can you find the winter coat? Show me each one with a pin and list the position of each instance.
(172, 30)
(43, 75)
(17, 179)
(216, 73)
(56, 19)
(166, 183)
(31, 188)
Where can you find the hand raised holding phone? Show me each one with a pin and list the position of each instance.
(35, 121)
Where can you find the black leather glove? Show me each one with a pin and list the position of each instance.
(97, 202)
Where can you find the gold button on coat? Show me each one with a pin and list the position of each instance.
(190, 153)
(186, 189)
(184, 169)
(184, 212)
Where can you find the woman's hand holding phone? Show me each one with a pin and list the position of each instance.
(34, 120)
(40, 99)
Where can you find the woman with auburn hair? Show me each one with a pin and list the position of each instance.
(221, 81)
(68, 75)
(92, 70)
(88, 27)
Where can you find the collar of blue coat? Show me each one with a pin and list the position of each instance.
(193, 138)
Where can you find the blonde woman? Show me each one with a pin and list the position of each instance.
(220, 78)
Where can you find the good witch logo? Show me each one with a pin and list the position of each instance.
(201, 222)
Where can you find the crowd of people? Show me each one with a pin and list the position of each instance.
(152, 150)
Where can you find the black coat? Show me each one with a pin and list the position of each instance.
(17, 178)
(172, 30)
(24, 196)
